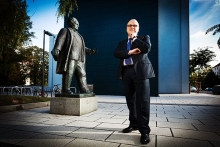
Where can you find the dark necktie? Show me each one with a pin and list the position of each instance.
(128, 60)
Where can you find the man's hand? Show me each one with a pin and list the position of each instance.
(91, 51)
(55, 53)
(134, 51)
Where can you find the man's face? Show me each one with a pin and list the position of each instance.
(132, 28)
(75, 23)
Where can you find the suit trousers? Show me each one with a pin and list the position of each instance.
(137, 93)
(78, 69)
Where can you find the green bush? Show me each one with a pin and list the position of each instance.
(16, 99)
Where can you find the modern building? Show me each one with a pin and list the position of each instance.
(103, 24)
(216, 70)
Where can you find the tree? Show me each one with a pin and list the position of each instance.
(32, 64)
(199, 62)
(14, 29)
(65, 7)
(216, 29)
(211, 79)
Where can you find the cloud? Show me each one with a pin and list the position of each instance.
(199, 34)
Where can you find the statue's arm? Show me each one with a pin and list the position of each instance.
(59, 43)
(90, 51)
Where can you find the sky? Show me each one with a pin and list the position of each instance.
(203, 15)
(43, 16)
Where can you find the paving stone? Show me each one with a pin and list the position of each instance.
(216, 144)
(30, 126)
(83, 124)
(152, 118)
(212, 121)
(90, 143)
(111, 120)
(175, 125)
(129, 138)
(184, 120)
(83, 118)
(16, 136)
(93, 134)
(171, 115)
(3, 130)
(62, 117)
(46, 140)
(57, 130)
(160, 131)
(163, 141)
(57, 122)
(120, 116)
(111, 126)
(34, 119)
(209, 128)
(201, 135)
(10, 124)
(102, 115)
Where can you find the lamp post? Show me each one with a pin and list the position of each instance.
(49, 34)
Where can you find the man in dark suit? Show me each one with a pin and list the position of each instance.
(135, 69)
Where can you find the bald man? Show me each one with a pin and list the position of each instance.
(135, 69)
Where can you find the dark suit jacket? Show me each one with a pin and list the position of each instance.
(142, 64)
(64, 41)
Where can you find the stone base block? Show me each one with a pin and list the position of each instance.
(73, 106)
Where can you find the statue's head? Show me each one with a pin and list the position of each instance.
(73, 23)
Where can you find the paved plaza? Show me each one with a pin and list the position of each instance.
(176, 120)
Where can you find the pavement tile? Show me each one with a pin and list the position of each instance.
(152, 118)
(111, 120)
(163, 141)
(30, 126)
(16, 136)
(201, 135)
(161, 131)
(129, 138)
(10, 124)
(216, 144)
(184, 120)
(175, 125)
(3, 130)
(57, 122)
(102, 115)
(119, 116)
(212, 121)
(170, 115)
(93, 134)
(90, 143)
(111, 126)
(208, 128)
(46, 140)
(57, 130)
(34, 119)
(83, 124)
(82, 118)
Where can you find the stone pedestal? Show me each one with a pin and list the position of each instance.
(76, 105)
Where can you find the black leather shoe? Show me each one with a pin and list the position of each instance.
(129, 129)
(145, 138)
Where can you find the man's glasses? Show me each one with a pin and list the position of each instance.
(132, 25)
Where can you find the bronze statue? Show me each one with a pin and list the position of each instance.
(69, 52)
